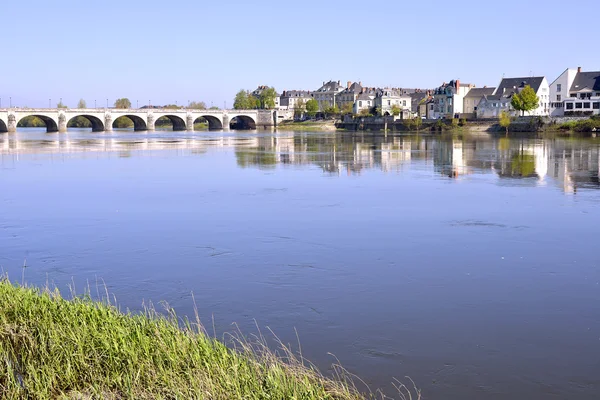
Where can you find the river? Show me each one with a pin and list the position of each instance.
(468, 263)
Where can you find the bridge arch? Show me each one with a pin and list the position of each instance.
(214, 123)
(242, 121)
(3, 126)
(178, 122)
(97, 124)
(51, 123)
(139, 124)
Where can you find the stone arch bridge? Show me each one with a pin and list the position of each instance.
(57, 120)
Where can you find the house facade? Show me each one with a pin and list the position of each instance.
(291, 99)
(473, 97)
(364, 101)
(349, 95)
(575, 93)
(448, 99)
(327, 94)
(387, 99)
(492, 106)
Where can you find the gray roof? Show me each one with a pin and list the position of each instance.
(586, 80)
(365, 96)
(513, 84)
(296, 93)
(494, 97)
(480, 92)
(330, 86)
(354, 88)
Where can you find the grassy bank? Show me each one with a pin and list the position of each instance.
(311, 126)
(580, 126)
(51, 347)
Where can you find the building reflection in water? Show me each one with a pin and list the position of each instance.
(568, 163)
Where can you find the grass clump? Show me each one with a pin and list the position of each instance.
(51, 347)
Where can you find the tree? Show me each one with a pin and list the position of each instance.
(347, 108)
(312, 106)
(267, 98)
(123, 103)
(81, 104)
(526, 100)
(243, 100)
(505, 120)
(299, 108)
(60, 105)
(396, 110)
(365, 113)
(417, 122)
(331, 110)
(197, 105)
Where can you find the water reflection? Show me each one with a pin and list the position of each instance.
(568, 163)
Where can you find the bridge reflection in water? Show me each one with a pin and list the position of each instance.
(570, 164)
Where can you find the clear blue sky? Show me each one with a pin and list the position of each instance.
(181, 50)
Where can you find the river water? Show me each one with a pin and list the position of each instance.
(468, 263)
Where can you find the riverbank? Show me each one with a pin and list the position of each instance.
(58, 348)
(312, 126)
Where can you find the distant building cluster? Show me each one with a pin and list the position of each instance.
(573, 93)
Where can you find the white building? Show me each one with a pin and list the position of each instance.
(492, 106)
(364, 101)
(448, 100)
(291, 99)
(575, 93)
(387, 99)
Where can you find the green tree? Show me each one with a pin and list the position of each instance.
(396, 110)
(312, 106)
(81, 104)
(365, 113)
(123, 103)
(347, 108)
(299, 108)
(197, 105)
(214, 108)
(243, 100)
(267, 98)
(60, 105)
(505, 120)
(526, 100)
(332, 110)
(417, 122)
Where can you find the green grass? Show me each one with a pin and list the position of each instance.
(51, 347)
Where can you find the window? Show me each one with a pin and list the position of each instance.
(558, 97)
(558, 87)
(596, 106)
(544, 89)
(597, 93)
(389, 102)
(586, 104)
(582, 96)
(360, 103)
(404, 103)
(569, 106)
(578, 105)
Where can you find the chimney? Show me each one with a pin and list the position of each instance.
(338, 82)
(349, 84)
(578, 69)
(360, 83)
(457, 84)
